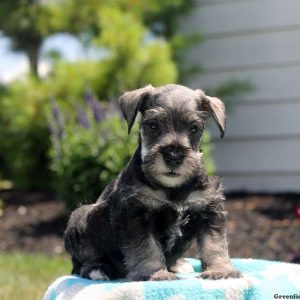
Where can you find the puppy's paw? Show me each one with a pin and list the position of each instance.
(94, 274)
(219, 273)
(138, 276)
(162, 275)
(182, 266)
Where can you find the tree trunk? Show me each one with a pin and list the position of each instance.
(33, 56)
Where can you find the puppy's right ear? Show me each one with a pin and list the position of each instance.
(131, 103)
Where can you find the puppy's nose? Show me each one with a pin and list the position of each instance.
(173, 157)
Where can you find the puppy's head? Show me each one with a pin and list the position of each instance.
(172, 122)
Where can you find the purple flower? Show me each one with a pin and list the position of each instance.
(58, 118)
(95, 106)
(56, 139)
(50, 128)
(81, 117)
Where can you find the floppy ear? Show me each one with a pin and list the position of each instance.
(131, 103)
(216, 107)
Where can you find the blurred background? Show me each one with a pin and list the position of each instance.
(63, 64)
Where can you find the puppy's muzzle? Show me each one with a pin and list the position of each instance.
(173, 157)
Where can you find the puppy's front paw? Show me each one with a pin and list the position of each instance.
(182, 266)
(218, 273)
(162, 275)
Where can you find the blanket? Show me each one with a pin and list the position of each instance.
(261, 280)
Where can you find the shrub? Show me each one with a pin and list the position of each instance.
(24, 134)
(90, 150)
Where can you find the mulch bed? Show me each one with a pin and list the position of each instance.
(259, 226)
(32, 222)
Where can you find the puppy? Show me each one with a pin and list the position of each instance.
(148, 216)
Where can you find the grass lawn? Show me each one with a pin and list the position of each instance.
(26, 276)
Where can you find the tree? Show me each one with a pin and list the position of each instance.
(27, 23)
(160, 17)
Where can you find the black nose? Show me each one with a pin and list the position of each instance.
(173, 157)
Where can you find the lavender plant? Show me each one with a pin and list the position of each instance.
(88, 151)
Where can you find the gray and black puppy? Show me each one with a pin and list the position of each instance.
(148, 216)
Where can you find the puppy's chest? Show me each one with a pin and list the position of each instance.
(173, 225)
(179, 222)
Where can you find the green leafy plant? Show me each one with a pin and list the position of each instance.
(88, 151)
(24, 135)
(206, 147)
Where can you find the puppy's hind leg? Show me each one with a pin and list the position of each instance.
(79, 242)
(93, 271)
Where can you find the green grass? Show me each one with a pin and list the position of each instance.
(27, 276)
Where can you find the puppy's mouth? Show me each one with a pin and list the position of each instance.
(172, 174)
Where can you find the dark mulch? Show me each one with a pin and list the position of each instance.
(32, 222)
(265, 226)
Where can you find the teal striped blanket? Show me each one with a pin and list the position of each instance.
(261, 280)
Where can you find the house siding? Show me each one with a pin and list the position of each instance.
(259, 41)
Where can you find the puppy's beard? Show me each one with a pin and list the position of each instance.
(155, 167)
(186, 171)
(168, 181)
(191, 164)
(160, 173)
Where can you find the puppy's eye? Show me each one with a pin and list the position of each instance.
(194, 129)
(153, 125)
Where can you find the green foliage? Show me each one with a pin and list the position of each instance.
(133, 61)
(86, 158)
(159, 16)
(27, 23)
(206, 148)
(129, 62)
(24, 135)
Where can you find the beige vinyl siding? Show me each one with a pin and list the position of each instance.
(256, 40)
(273, 84)
(248, 52)
(234, 17)
(263, 121)
(260, 156)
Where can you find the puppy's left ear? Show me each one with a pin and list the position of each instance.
(131, 103)
(216, 107)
